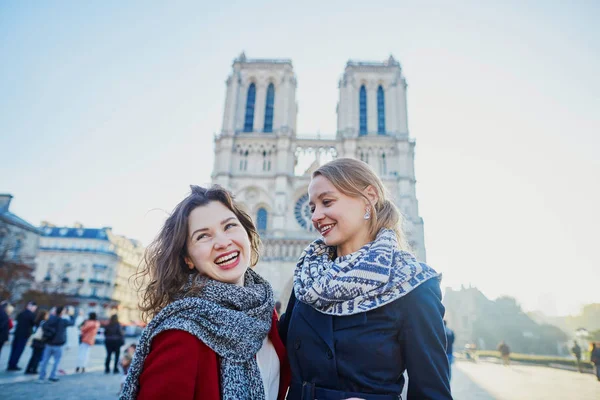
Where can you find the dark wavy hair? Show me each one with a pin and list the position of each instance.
(164, 273)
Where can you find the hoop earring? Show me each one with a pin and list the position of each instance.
(367, 213)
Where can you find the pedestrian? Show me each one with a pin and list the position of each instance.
(576, 350)
(5, 322)
(595, 359)
(73, 333)
(504, 353)
(449, 346)
(114, 339)
(213, 334)
(363, 310)
(126, 362)
(24, 329)
(55, 336)
(37, 343)
(89, 329)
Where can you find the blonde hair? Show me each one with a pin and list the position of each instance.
(351, 177)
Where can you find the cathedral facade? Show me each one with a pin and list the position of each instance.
(259, 157)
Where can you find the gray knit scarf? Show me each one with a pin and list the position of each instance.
(231, 320)
(375, 275)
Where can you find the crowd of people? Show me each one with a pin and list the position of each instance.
(51, 332)
(362, 312)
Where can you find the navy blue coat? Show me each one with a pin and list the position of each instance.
(3, 325)
(55, 330)
(365, 355)
(25, 324)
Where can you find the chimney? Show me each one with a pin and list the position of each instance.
(5, 202)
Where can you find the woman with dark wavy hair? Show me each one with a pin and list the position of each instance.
(213, 333)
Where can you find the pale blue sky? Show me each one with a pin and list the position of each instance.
(108, 111)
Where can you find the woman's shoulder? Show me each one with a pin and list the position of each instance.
(427, 294)
(197, 368)
(430, 287)
(175, 340)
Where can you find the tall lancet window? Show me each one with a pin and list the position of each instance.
(269, 108)
(380, 111)
(261, 220)
(362, 101)
(250, 99)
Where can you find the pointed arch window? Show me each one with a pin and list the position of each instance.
(250, 100)
(380, 111)
(362, 101)
(269, 108)
(261, 220)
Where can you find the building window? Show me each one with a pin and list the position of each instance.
(265, 160)
(363, 111)
(380, 111)
(269, 109)
(261, 220)
(243, 160)
(249, 121)
(383, 165)
(364, 156)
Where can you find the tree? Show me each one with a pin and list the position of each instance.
(504, 319)
(595, 336)
(15, 274)
(45, 299)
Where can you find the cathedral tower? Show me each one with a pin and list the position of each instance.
(257, 153)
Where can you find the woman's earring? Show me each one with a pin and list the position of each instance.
(367, 213)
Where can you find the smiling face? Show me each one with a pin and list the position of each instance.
(218, 245)
(338, 217)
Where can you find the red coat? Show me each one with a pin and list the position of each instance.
(180, 366)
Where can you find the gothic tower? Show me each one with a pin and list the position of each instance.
(373, 126)
(257, 152)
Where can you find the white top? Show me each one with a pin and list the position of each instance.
(268, 364)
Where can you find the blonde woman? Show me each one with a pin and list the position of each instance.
(363, 310)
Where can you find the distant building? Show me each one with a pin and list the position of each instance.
(262, 160)
(463, 308)
(130, 254)
(92, 266)
(19, 241)
(80, 263)
(476, 319)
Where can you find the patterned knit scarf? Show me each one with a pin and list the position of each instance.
(371, 277)
(231, 320)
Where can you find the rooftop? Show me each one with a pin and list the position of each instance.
(243, 59)
(75, 232)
